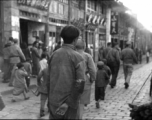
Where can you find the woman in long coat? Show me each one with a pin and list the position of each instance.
(35, 58)
(90, 71)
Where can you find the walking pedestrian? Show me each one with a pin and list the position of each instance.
(90, 76)
(19, 82)
(42, 81)
(16, 56)
(106, 50)
(113, 61)
(66, 77)
(102, 80)
(35, 58)
(140, 56)
(147, 56)
(129, 58)
(100, 53)
(6, 66)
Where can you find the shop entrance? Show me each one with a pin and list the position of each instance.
(23, 31)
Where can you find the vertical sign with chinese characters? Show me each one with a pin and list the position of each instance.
(114, 23)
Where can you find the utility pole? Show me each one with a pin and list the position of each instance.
(47, 26)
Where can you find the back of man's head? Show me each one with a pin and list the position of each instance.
(69, 34)
(108, 44)
(80, 45)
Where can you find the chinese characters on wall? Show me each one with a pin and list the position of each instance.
(114, 23)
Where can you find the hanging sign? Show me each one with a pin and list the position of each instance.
(114, 23)
(40, 4)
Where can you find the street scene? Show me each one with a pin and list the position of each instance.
(75, 59)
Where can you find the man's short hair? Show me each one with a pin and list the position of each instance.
(108, 44)
(11, 38)
(43, 56)
(80, 44)
(20, 65)
(69, 34)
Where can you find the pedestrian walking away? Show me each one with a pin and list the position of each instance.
(106, 50)
(129, 58)
(113, 61)
(66, 77)
(90, 75)
(102, 80)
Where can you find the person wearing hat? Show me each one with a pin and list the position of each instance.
(66, 77)
(113, 61)
(129, 58)
(90, 71)
(101, 82)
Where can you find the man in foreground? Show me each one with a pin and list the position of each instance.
(66, 77)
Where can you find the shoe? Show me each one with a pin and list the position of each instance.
(97, 105)
(27, 98)
(42, 113)
(126, 85)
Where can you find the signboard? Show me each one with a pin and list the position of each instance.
(114, 23)
(15, 21)
(40, 4)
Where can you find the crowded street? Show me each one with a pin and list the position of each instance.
(76, 59)
(114, 107)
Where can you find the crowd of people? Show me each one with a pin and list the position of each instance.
(65, 77)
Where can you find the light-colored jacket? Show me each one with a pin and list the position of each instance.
(90, 69)
(15, 54)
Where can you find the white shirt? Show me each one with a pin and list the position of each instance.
(43, 64)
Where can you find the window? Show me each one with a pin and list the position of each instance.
(53, 7)
(92, 5)
(64, 1)
(61, 9)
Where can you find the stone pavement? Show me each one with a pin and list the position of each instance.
(115, 106)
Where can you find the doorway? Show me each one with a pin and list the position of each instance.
(23, 31)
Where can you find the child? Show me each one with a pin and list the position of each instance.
(102, 79)
(28, 69)
(19, 82)
(107, 69)
(43, 62)
(42, 83)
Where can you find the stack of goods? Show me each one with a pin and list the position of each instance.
(142, 112)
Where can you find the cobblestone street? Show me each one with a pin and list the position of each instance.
(115, 106)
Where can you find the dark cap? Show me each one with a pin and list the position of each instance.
(69, 34)
(100, 64)
(11, 38)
